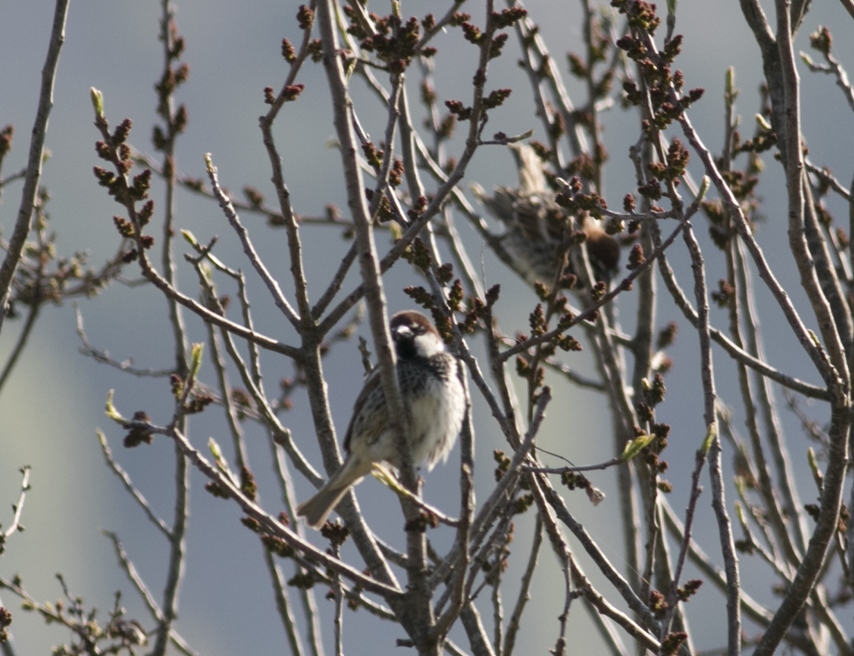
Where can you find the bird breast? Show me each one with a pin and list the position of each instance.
(435, 408)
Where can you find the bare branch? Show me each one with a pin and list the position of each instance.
(35, 158)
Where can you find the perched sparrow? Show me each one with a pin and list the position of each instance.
(434, 400)
(537, 227)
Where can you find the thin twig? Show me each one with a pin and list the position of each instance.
(515, 622)
(132, 574)
(21, 342)
(131, 488)
(35, 157)
(248, 247)
(17, 509)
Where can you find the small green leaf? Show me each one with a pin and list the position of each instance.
(671, 8)
(815, 340)
(817, 476)
(216, 452)
(760, 120)
(635, 446)
(520, 137)
(229, 480)
(705, 183)
(711, 434)
(97, 101)
(111, 411)
(196, 359)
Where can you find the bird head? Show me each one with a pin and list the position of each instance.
(415, 335)
(537, 227)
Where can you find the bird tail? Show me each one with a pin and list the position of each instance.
(318, 508)
(532, 179)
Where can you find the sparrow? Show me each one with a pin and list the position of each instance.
(433, 398)
(537, 228)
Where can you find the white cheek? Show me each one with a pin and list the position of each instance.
(429, 345)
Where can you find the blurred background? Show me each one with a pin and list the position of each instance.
(51, 409)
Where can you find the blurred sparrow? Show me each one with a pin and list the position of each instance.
(537, 227)
(434, 401)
